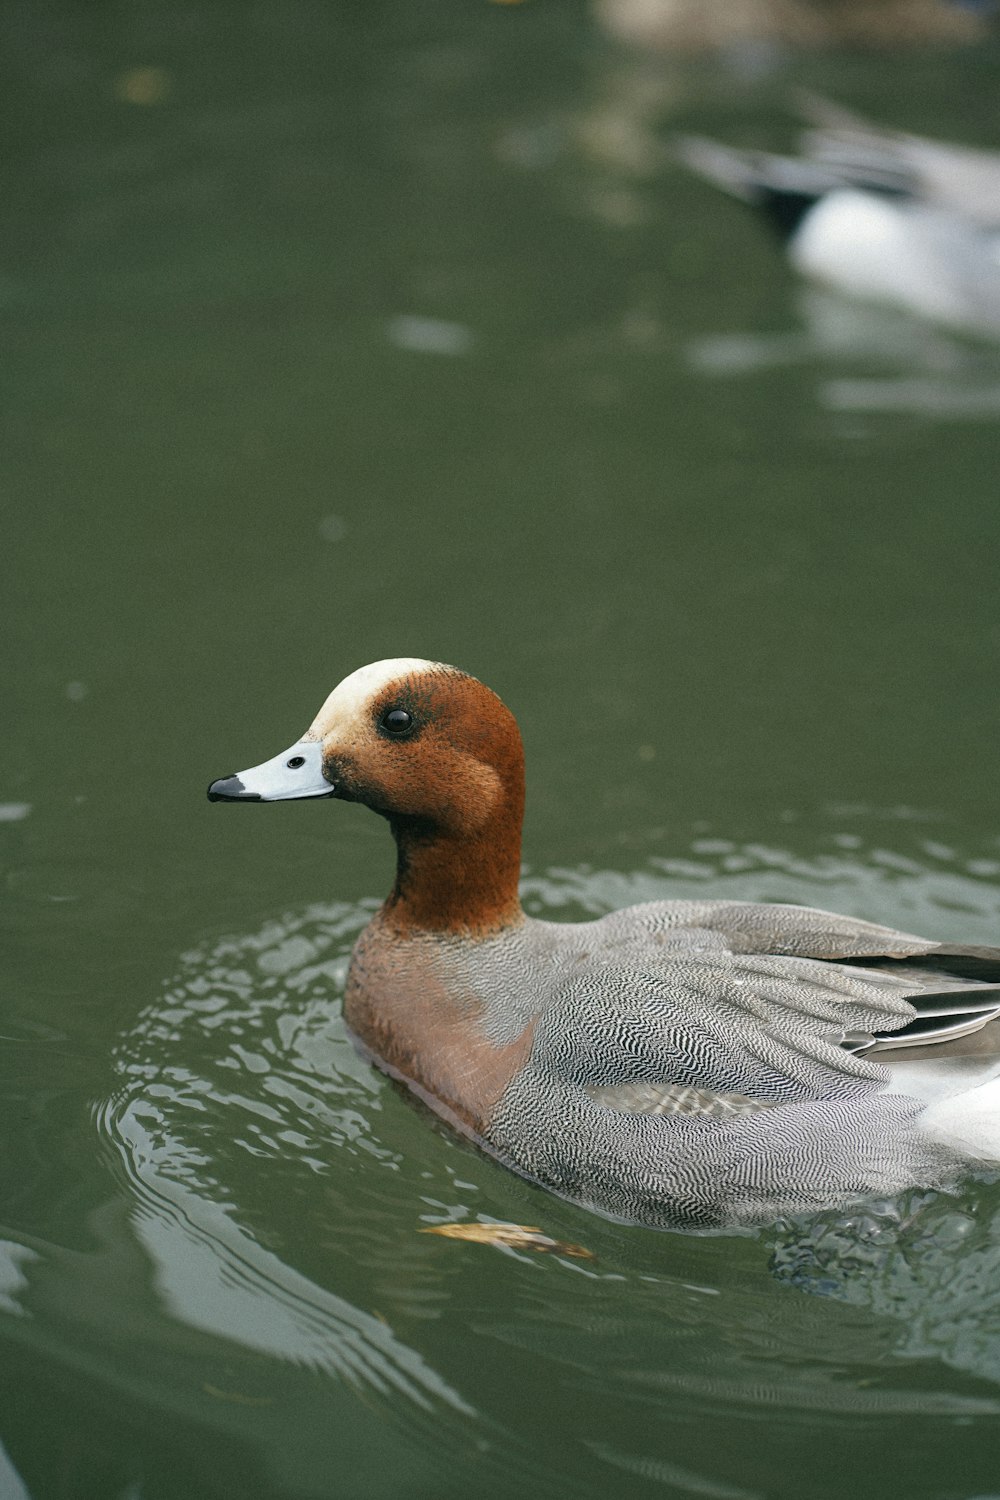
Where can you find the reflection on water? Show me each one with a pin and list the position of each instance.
(926, 396)
(212, 1275)
(11, 1485)
(14, 1260)
(247, 1058)
(920, 371)
(933, 1262)
(910, 881)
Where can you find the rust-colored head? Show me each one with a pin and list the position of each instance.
(440, 756)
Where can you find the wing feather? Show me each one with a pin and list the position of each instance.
(774, 1003)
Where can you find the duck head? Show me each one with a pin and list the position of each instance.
(439, 755)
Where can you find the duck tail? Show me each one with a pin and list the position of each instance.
(783, 187)
(963, 961)
(737, 172)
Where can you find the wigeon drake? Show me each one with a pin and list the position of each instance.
(689, 1064)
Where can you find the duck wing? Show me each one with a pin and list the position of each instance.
(755, 175)
(798, 931)
(899, 991)
(956, 1007)
(692, 1082)
(700, 1064)
(960, 179)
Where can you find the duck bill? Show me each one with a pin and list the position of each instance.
(296, 772)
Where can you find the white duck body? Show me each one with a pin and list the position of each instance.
(908, 254)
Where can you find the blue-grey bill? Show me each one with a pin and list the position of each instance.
(296, 772)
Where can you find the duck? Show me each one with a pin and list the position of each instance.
(693, 1064)
(879, 215)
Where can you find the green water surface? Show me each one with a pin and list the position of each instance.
(335, 332)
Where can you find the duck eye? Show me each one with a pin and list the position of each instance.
(397, 721)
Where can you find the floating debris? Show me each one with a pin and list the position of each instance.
(510, 1236)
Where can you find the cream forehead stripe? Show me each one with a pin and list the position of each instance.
(347, 703)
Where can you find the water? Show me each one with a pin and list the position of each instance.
(334, 334)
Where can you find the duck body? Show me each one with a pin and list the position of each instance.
(903, 253)
(679, 1064)
(881, 217)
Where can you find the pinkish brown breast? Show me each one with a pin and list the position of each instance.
(423, 1029)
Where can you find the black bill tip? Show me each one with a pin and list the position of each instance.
(231, 789)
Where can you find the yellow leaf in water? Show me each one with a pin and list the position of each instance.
(514, 1236)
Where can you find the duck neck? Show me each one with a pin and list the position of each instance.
(455, 881)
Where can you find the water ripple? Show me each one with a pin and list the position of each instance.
(227, 1067)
